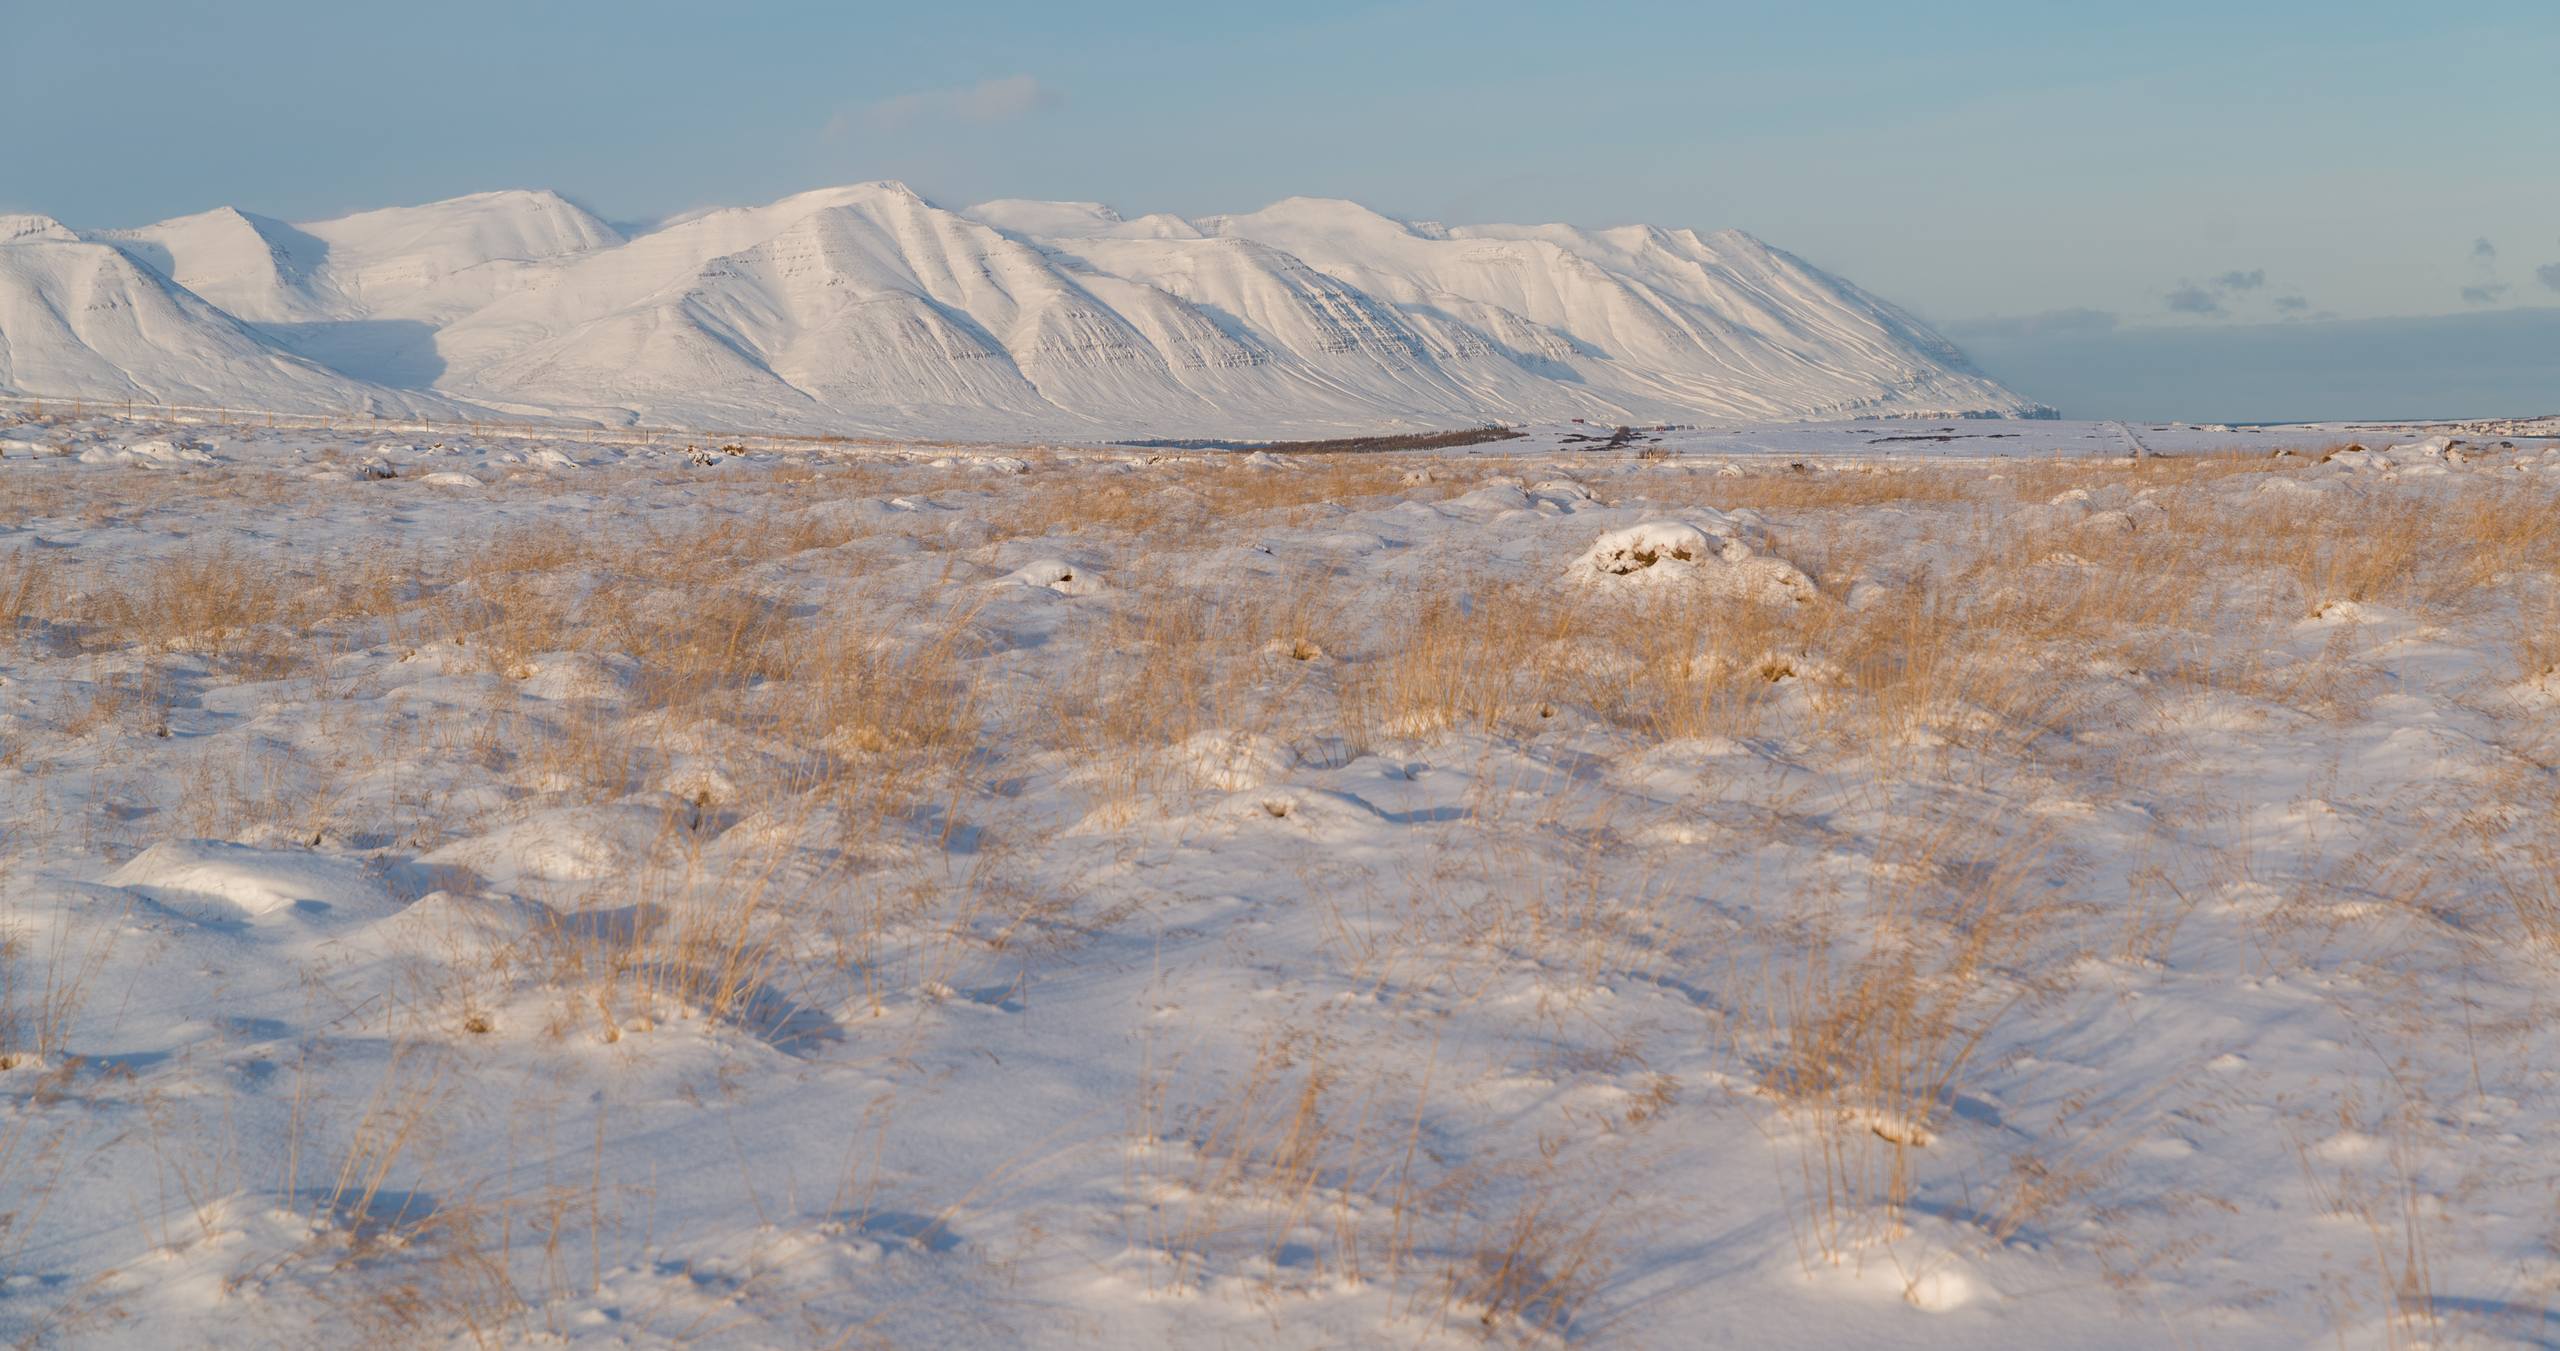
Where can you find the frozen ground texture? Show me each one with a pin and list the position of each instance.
(868, 310)
(485, 890)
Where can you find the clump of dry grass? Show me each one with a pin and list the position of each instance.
(1536, 1268)
(136, 700)
(1309, 1174)
(26, 589)
(2382, 560)
(1870, 1046)
(682, 939)
(2399, 1217)
(887, 697)
(1267, 1162)
(2505, 534)
(2526, 882)
(210, 601)
(2439, 550)
(2537, 638)
(1457, 658)
(44, 980)
(1173, 660)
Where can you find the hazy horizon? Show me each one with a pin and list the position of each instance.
(2418, 368)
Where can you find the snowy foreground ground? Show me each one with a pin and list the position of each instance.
(1792, 890)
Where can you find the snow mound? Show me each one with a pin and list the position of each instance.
(577, 675)
(1060, 576)
(1676, 553)
(569, 844)
(1869, 593)
(2110, 512)
(1638, 549)
(455, 925)
(251, 881)
(148, 454)
(1495, 497)
(1233, 761)
(1560, 497)
(982, 464)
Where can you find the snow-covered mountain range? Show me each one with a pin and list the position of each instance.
(869, 310)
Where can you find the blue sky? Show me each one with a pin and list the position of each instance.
(2199, 165)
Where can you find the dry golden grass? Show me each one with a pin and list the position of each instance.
(26, 589)
(1509, 659)
(2434, 550)
(1988, 646)
(1872, 1035)
(2505, 536)
(1303, 1166)
(135, 700)
(887, 714)
(1453, 659)
(680, 939)
(198, 601)
(1820, 488)
(44, 977)
(890, 705)
(1194, 495)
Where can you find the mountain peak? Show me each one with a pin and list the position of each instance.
(220, 220)
(869, 188)
(455, 233)
(1325, 213)
(526, 199)
(28, 225)
(1096, 212)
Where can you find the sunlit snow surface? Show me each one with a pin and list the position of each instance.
(1242, 999)
(866, 309)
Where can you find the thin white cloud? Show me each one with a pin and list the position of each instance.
(986, 102)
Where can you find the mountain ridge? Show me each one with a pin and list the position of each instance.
(867, 309)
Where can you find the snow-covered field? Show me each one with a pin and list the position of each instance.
(1796, 887)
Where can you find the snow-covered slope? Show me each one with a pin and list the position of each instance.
(432, 262)
(83, 320)
(868, 309)
(260, 270)
(1663, 319)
